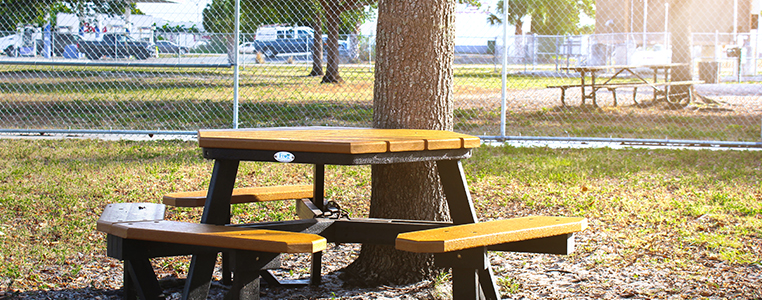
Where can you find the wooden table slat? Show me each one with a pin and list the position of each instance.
(341, 140)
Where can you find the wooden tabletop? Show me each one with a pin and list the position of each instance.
(336, 139)
(599, 68)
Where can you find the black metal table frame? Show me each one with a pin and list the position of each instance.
(226, 162)
(217, 211)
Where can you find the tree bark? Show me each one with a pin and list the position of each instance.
(413, 89)
(332, 13)
(317, 45)
(680, 25)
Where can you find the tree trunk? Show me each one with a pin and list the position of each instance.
(230, 44)
(680, 25)
(332, 12)
(317, 45)
(413, 89)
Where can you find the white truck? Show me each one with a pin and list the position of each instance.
(274, 40)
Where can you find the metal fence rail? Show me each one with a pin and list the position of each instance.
(201, 83)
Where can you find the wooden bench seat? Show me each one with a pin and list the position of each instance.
(464, 247)
(665, 92)
(138, 231)
(638, 84)
(633, 85)
(217, 236)
(485, 234)
(242, 195)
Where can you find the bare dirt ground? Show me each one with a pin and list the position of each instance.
(739, 98)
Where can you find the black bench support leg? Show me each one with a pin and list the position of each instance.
(487, 281)
(613, 93)
(128, 287)
(140, 280)
(227, 273)
(635, 93)
(246, 278)
(465, 284)
(317, 268)
(472, 277)
(202, 266)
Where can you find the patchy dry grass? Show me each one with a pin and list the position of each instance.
(664, 209)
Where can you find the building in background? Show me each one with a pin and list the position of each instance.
(651, 16)
(638, 29)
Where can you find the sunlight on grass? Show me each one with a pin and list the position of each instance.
(674, 208)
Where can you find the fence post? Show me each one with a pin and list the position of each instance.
(535, 49)
(237, 36)
(504, 73)
(558, 53)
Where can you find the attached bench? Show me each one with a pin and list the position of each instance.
(242, 195)
(464, 247)
(613, 86)
(138, 231)
(245, 195)
(568, 86)
(563, 90)
(666, 92)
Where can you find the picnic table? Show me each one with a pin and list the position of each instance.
(662, 88)
(461, 244)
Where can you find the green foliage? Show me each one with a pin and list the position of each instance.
(549, 17)
(219, 16)
(15, 12)
(176, 28)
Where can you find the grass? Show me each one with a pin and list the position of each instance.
(272, 95)
(674, 209)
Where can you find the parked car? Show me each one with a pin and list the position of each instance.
(8, 44)
(275, 40)
(170, 47)
(116, 45)
(343, 47)
(59, 43)
(248, 48)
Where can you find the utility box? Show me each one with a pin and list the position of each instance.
(709, 71)
(491, 47)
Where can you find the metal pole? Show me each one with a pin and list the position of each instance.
(370, 49)
(645, 23)
(756, 47)
(735, 21)
(505, 71)
(666, 25)
(237, 36)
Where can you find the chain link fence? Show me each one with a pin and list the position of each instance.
(174, 67)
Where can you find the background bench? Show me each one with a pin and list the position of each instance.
(635, 85)
(665, 93)
(138, 231)
(464, 247)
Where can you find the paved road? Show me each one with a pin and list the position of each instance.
(730, 89)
